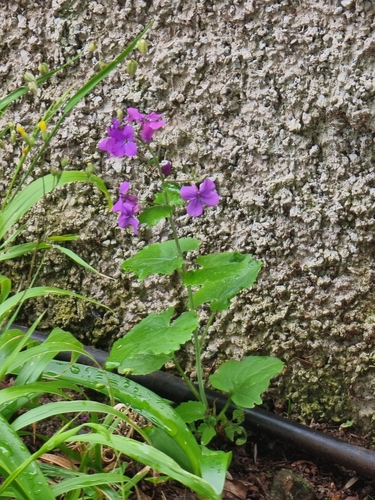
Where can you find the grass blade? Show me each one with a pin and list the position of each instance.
(30, 483)
(29, 196)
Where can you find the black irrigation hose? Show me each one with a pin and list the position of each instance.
(315, 442)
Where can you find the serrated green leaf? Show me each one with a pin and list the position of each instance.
(247, 379)
(191, 411)
(154, 215)
(172, 190)
(159, 258)
(155, 335)
(222, 276)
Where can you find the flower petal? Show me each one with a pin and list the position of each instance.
(206, 186)
(117, 207)
(105, 144)
(189, 192)
(124, 188)
(211, 199)
(147, 133)
(130, 149)
(134, 115)
(195, 208)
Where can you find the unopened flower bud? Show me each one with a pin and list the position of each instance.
(25, 151)
(56, 172)
(89, 169)
(2, 144)
(131, 67)
(64, 162)
(92, 47)
(119, 114)
(43, 128)
(30, 140)
(102, 64)
(13, 136)
(142, 46)
(21, 130)
(43, 68)
(29, 77)
(33, 87)
(166, 169)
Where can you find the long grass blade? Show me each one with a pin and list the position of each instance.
(40, 291)
(30, 483)
(30, 195)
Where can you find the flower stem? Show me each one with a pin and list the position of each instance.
(197, 343)
(224, 410)
(186, 378)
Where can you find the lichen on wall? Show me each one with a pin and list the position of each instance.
(274, 99)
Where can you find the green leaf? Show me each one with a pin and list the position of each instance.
(214, 466)
(72, 255)
(29, 391)
(154, 215)
(64, 237)
(208, 432)
(172, 191)
(19, 250)
(222, 276)
(165, 443)
(30, 481)
(144, 363)
(39, 291)
(142, 400)
(32, 193)
(152, 457)
(247, 379)
(154, 334)
(191, 411)
(5, 287)
(159, 258)
(35, 359)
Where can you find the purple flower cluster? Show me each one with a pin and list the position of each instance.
(199, 198)
(121, 141)
(127, 206)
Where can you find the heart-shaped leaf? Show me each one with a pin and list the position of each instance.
(247, 379)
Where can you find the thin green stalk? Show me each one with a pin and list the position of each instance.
(209, 322)
(224, 410)
(186, 378)
(198, 361)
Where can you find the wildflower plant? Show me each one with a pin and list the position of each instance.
(211, 281)
(28, 369)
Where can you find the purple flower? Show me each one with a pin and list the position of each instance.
(128, 207)
(120, 141)
(166, 169)
(198, 198)
(149, 123)
(127, 198)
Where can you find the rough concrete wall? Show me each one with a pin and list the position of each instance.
(275, 100)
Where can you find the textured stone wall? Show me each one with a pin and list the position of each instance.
(275, 101)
